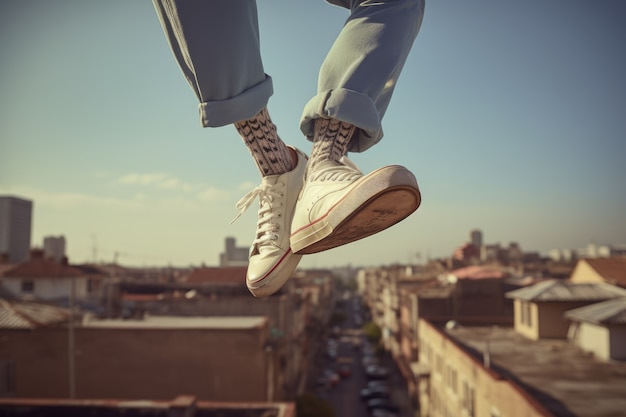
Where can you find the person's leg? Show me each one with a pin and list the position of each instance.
(227, 76)
(338, 204)
(216, 45)
(361, 70)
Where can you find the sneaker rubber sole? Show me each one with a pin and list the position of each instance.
(378, 201)
(276, 278)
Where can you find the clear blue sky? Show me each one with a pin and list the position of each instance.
(512, 115)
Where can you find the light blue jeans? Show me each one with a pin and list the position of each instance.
(216, 44)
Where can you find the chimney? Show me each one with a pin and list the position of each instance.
(36, 253)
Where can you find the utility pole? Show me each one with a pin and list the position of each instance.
(71, 344)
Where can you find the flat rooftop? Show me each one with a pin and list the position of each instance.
(562, 377)
(175, 322)
(180, 406)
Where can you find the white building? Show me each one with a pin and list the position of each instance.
(54, 247)
(600, 328)
(48, 280)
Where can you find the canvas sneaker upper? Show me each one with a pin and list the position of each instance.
(338, 204)
(271, 260)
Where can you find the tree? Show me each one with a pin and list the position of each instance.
(372, 332)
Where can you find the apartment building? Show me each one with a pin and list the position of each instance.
(211, 358)
(472, 342)
(486, 371)
(540, 308)
(234, 255)
(457, 381)
(294, 313)
(54, 247)
(183, 405)
(39, 278)
(15, 228)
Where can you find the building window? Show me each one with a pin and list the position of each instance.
(453, 380)
(28, 286)
(7, 378)
(526, 314)
(468, 399)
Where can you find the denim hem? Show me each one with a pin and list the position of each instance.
(348, 106)
(241, 107)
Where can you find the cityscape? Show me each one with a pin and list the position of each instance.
(490, 330)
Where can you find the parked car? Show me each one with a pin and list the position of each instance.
(371, 393)
(380, 412)
(344, 371)
(378, 383)
(376, 372)
(332, 377)
(381, 404)
(369, 360)
(368, 349)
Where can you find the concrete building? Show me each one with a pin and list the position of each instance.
(494, 371)
(54, 247)
(294, 312)
(15, 228)
(181, 406)
(476, 238)
(46, 279)
(466, 254)
(540, 308)
(600, 328)
(233, 255)
(227, 359)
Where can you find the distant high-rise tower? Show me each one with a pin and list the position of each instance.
(54, 247)
(233, 256)
(476, 238)
(15, 228)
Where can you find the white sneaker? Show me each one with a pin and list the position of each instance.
(339, 205)
(271, 260)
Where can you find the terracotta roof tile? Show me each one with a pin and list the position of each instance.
(43, 268)
(218, 275)
(479, 272)
(613, 270)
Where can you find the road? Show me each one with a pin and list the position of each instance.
(344, 348)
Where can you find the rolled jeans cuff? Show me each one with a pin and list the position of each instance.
(348, 106)
(241, 107)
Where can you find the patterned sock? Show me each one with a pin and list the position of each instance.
(330, 140)
(270, 153)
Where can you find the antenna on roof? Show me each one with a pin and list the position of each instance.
(94, 248)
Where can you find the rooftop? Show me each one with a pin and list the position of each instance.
(180, 406)
(43, 268)
(560, 290)
(613, 270)
(171, 322)
(606, 312)
(562, 377)
(28, 315)
(218, 275)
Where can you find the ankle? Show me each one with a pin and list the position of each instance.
(293, 158)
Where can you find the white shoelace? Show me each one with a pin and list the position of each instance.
(269, 197)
